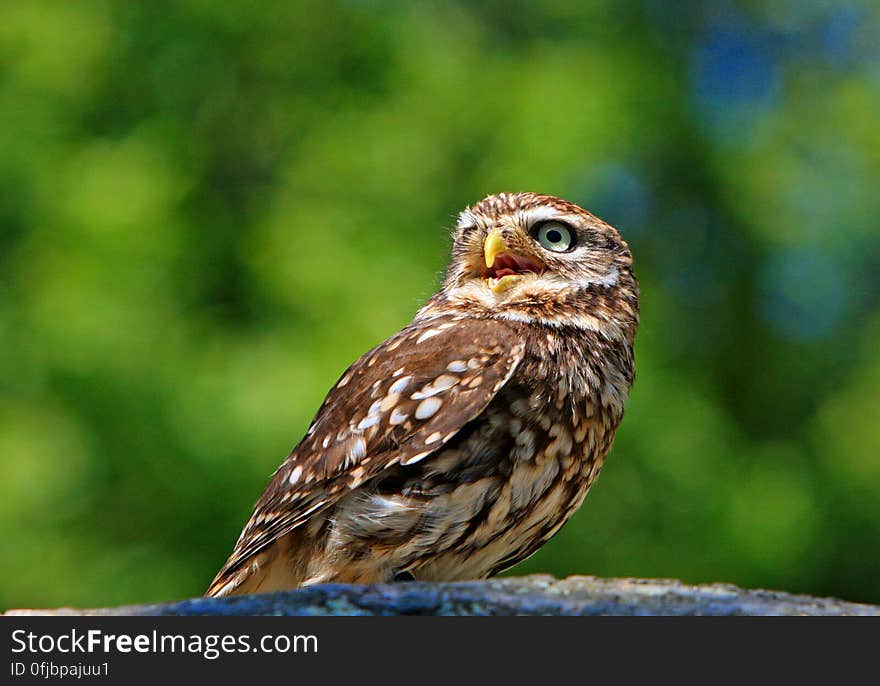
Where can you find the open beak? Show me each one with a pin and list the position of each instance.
(504, 268)
(494, 244)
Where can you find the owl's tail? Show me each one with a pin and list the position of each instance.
(237, 580)
(280, 567)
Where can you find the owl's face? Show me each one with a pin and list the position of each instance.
(532, 257)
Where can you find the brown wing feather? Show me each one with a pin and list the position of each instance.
(398, 403)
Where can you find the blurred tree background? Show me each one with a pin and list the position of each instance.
(209, 208)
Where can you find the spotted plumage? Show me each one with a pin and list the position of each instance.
(460, 445)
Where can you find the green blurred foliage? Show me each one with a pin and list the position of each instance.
(209, 209)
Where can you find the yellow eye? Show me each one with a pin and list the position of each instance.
(555, 236)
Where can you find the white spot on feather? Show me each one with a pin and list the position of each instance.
(416, 458)
(444, 382)
(368, 421)
(398, 417)
(433, 438)
(295, 475)
(389, 401)
(357, 450)
(400, 384)
(430, 333)
(606, 280)
(440, 384)
(428, 408)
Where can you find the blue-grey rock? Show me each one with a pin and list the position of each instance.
(532, 595)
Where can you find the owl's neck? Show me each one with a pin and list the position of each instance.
(577, 369)
(582, 361)
(611, 314)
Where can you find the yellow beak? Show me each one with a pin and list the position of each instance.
(493, 245)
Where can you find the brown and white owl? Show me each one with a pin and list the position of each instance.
(460, 445)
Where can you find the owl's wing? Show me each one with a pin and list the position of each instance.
(398, 404)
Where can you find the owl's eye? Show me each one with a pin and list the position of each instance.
(555, 236)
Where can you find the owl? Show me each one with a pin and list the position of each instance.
(461, 444)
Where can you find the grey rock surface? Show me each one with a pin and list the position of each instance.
(532, 595)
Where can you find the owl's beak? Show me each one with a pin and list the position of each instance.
(504, 268)
(493, 245)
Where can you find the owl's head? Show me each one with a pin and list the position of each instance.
(537, 258)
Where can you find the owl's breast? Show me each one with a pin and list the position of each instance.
(505, 482)
(492, 495)
(505, 485)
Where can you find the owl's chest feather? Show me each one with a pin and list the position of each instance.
(509, 478)
(560, 411)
